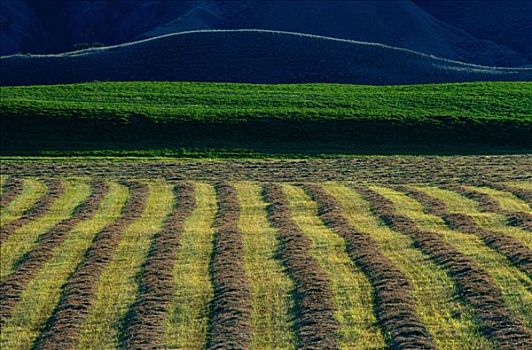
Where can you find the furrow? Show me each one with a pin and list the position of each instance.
(516, 252)
(145, 320)
(31, 262)
(316, 327)
(521, 193)
(230, 313)
(488, 204)
(12, 188)
(63, 327)
(55, 190)
(395, 307)
(475, 285)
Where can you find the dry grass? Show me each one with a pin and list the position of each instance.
(270, 286)
(43, 292)
(449, 321)
(352, 290)
(25, 238)
(507, 201)
(514, 284)
(457, 203)
(186, 324)
(33, 190)
(117, 286)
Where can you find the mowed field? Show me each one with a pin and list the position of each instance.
(256, 255)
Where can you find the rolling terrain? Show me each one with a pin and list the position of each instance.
(443, 29)
(220, 174)
(170, 118)
(247, 56)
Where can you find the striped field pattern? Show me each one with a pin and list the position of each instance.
(108, 263)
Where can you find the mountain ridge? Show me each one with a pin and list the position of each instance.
(248, 56)
(408, 24)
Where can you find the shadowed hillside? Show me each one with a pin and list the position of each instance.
(508, 23)
(483, 32)
(253, 56)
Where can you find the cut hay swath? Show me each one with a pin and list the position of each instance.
(10, 190)
(395, 307)
(316, 326)
(145, 319)
(63, 327)
(514, 250)
(230, 309)
(523, 193)
(202, 256)
(55, 189)
(30, 263)
(487, 203)
(475, 285)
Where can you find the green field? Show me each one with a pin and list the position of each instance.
(174, 118)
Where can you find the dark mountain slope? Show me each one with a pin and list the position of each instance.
(253, 56)
(50, 26)
(395, 23)
(56, 26)
(507, 23)
(18, 26)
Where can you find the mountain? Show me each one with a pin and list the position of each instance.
(19, 28)
(395, 23)
(438, 28)
(56, 26)
(507, 23)
(248, 56)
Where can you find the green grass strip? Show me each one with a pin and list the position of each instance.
(352, 291)
(449, 321)
(513, 283)
(43, 292)
(270, 286)
(25, 238)
(228, 102)
(186, 324)
(118, 286)
(32, 191)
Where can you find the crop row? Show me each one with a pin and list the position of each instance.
(153, 264)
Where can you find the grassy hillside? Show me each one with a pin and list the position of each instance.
(248, 56)
(304, 118)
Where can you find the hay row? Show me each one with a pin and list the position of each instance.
(316, 327)
(31, 262)
(521, 193)
(145, 319)
(474, 284)
(63, 327)
(55, 190)
(394, 305)
(12, 189)
(516, 252)
(230, 309)
(488, 204)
